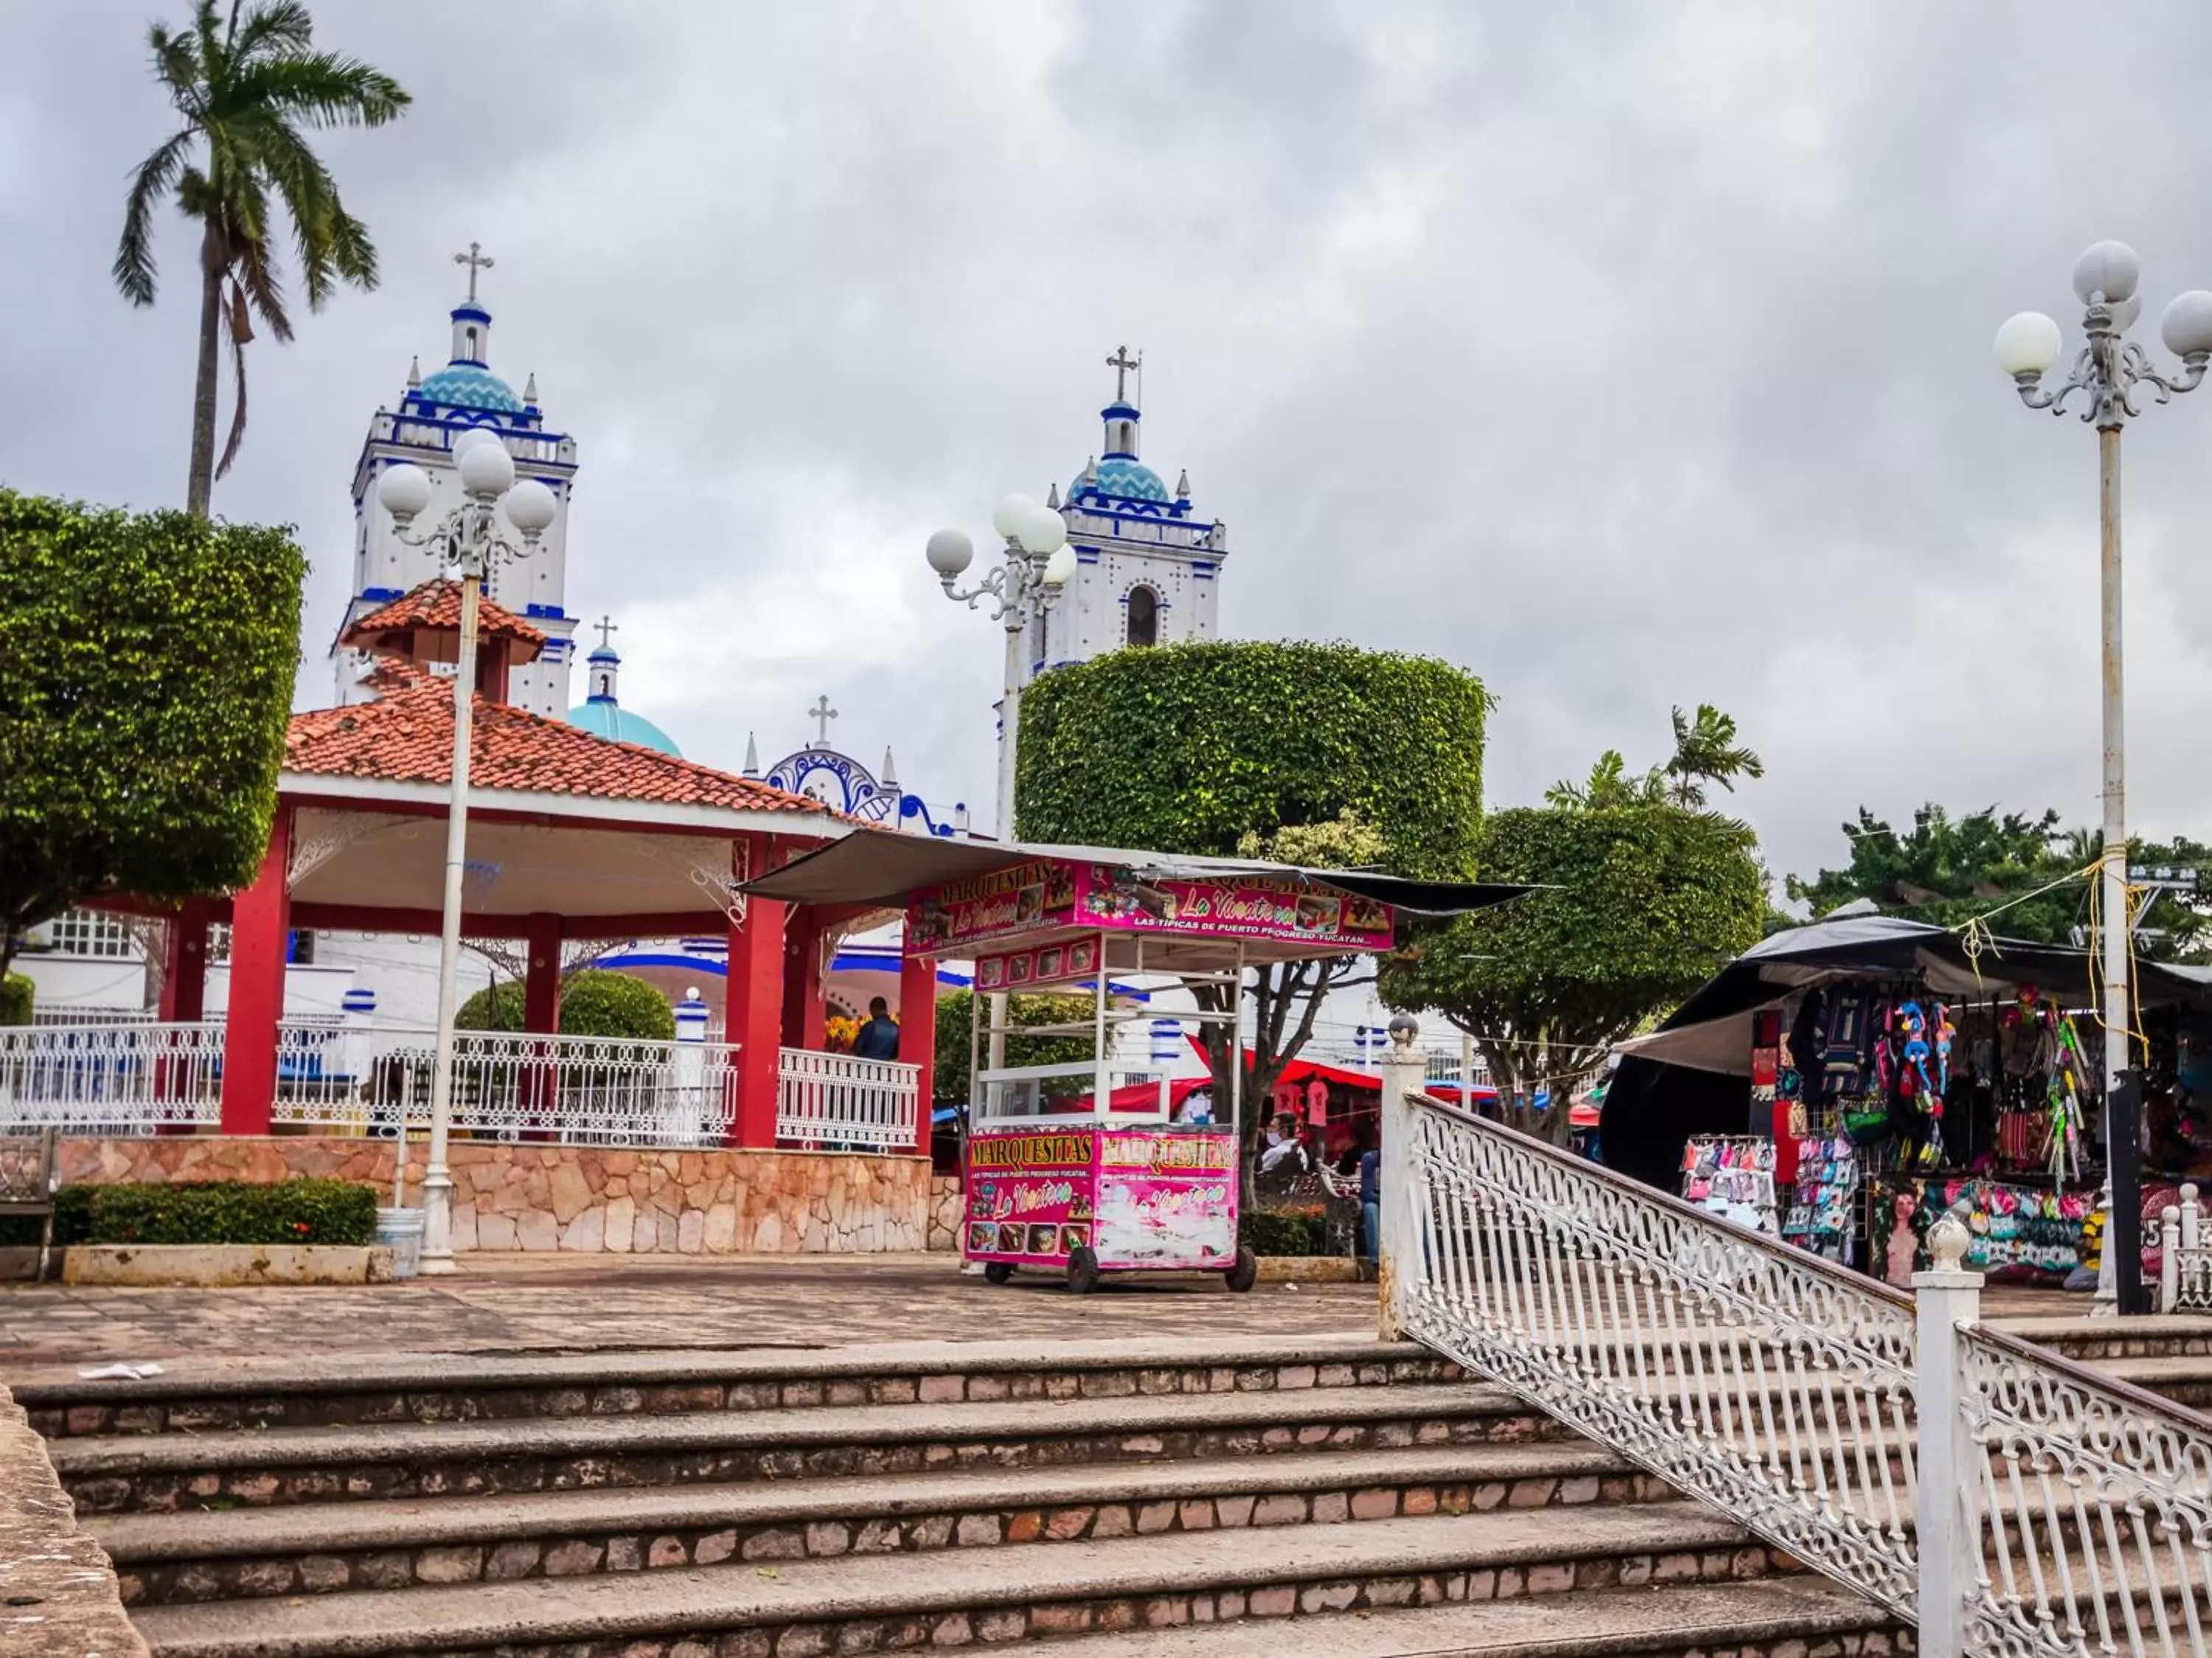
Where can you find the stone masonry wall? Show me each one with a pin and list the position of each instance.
(944, 1211)
(537, 1197)
(61, 1598)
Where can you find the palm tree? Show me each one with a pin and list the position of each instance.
(246, 87)
(1706, 751)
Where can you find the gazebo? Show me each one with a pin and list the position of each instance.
(572, 836)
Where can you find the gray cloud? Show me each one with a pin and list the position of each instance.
(1627, 356)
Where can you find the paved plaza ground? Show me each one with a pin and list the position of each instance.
(552, 1304)
(541, 1304)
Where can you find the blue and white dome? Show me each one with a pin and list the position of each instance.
(1129, 478)
(469, 386)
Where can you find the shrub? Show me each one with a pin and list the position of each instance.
(298, 1211)
(593, 1003)
(14, 999)
(1284, 1231)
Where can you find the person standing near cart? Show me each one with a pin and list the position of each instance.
(879, 1038)
(1370, 1205)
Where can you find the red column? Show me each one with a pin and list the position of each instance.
(184, 965)
(805, 1022)
(917, 1034)
(260, 924)
(752, 1016)
(541, 1015)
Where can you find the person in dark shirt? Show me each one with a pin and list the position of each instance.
(879, 1038)
(1371, 1202)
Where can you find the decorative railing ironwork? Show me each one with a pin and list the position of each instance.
(835, 1101)
(1762, 1379)
(2016, 1503)
(135, 1077)
(2185, 1280)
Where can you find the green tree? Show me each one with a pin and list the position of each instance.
(2023, 877)
(146, 668)
(593, 1003)
(955, 1014)
(1706, 751)
(1195, 747)
(1639, 905)
(247, 88)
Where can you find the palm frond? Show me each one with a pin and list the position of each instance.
(282, 24)
(134, 253)
(255, 268)
(324, 90)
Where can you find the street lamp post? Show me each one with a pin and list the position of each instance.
(2119, 380)
(1039, 564)
(470, 537)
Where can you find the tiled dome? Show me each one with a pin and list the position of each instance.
(465, 385)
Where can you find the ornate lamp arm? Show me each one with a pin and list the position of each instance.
(2114, 373)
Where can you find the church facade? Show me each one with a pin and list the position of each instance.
(435, 411)
(1148, 566)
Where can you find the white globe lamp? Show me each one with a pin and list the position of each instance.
(949, 552)
(404, 491)
(2186, 327)
(472, 438)
(1059, 569)
(2027, 344)
(530, 507)
(1041, 532)
(488, 470)
(1006, 517)
(2109, 269)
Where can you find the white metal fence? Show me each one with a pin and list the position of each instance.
(135, 1077)
(361, 1079)
(2014, 1503)
(836, 1099)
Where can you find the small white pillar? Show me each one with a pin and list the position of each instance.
(2169, 1258)
(1404, 1070)
(356, 1053)
(1949, 1299)
(691, 1068)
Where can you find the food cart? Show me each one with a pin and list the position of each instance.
(1110, 1164)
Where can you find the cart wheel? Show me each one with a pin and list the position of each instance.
(1082, 1271)
(1246, 1273)
(998, 1272)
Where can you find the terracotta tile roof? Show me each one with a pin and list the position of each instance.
(407, 736)
(435, 608)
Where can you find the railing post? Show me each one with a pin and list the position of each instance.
(689, 1068)
(2169, 1258)
(1949, 1298)
(1404, 1070)
(2189, 1216)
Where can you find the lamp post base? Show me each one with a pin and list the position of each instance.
(438, 1222)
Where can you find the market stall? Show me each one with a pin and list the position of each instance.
(1844, 1084)
(1112, 1163)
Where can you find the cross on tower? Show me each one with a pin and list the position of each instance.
(822, 714)
(1120, 363)
(606, 625)
(476, 260)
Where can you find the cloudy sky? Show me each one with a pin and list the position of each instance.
(1626, 355)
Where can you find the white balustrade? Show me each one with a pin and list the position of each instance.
(131, 1077)
(833, 1099)
(2014, 1503)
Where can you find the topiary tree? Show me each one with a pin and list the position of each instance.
(954, 1017)
(593, 1003)
(1196, 747)
(15, 995)
(146, 666)
(1642, 903)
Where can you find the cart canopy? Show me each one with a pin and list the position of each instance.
(882, 866)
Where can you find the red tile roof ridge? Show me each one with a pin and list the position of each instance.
(436, 605)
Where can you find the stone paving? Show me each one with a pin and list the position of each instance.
(535, 1304)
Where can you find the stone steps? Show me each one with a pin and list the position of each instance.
(446, 1388)
(164, 1471)
(326, 1548)
(882, 1602)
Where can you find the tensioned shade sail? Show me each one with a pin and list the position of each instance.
(882, 866)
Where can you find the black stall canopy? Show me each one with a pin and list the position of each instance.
(1692, 1075)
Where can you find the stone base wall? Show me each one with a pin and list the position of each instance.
(62, 1599)
(944, 1211)
(535, 1197)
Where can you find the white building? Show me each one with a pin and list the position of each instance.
(434, 412)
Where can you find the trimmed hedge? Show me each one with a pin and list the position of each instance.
(299, 1211)
(593, 1002)
(15, 993)
(1284, 1231)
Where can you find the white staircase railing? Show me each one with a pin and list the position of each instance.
(2057, 1512)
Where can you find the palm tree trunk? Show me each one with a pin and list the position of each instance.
(202, 481)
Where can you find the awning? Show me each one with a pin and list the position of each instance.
(882, 866)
